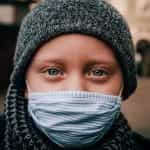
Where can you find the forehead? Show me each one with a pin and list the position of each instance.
(75, 45)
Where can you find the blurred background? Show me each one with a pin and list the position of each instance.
(137, 14)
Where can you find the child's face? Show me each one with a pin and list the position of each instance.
(75, 62)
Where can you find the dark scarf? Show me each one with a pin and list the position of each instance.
(22, 134)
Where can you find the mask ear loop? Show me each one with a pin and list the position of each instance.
(121, 90)
(28, 88)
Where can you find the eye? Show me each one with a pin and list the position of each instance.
(54, 72)
(97, 73)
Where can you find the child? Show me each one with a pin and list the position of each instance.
(73, 65)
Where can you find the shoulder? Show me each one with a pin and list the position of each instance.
(2, 127)
(2, 122)
(141, 142)
(2, 119)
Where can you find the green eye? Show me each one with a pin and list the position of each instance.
(97, 72)
(54, 72)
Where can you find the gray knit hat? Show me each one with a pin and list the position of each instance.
(97, 18)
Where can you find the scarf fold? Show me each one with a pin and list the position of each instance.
(22, 134)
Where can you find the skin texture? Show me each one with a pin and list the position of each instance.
(74, 62)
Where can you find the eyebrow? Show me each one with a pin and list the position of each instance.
(55, 60)
(90, 62)
(99, 62)
(93, 62)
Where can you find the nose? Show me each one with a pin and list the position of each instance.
(76, 82)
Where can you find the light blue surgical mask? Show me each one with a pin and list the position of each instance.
(73, 119)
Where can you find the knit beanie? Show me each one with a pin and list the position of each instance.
(96, 18)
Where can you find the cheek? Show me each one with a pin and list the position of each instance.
(112, 86)
(36, 83)
(116, 83)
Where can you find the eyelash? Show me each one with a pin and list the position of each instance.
(99, 72)
(54, 69)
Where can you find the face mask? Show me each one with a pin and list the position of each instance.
(73, 118)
